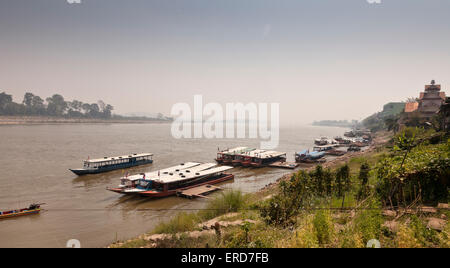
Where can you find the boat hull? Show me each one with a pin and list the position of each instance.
(236, 162)
(22, 213)
(227, 162)
(81, 172)
(116, 190)
(157, 194)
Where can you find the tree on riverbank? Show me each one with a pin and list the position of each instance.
(55, 105)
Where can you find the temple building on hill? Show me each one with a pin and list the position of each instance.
(429, 102)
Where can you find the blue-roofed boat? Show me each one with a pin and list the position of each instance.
(309, 157)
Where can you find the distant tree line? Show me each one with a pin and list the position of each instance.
(33, 105)
(336, 123)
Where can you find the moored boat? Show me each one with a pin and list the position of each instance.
(226, 156)
(32, 209)
(349, 134)
(343, 141)
(171, 186)
(268, 157)
(95, 166)
(321, 141)
(353, 148)
(324, 148)
(249, 156)
(238, 157)
(335, 152)
(130, 181)
(309, 157)
(171, 183)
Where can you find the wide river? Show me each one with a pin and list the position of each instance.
(35, 162)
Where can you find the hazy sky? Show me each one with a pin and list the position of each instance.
(320, 59)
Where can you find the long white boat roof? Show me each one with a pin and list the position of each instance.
(326, 146)
(234, 150)
(198, 168)
(187, 176)
(254, 152)
(179, 167)
(270, 154)
(107, 159)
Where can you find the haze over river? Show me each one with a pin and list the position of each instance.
(35, 162)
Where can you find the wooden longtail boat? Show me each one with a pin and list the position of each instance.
(32, 209)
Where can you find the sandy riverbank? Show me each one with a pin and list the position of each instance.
(34, 120)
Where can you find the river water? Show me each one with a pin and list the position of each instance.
(35, 162)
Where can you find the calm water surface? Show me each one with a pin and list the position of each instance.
(34, 164)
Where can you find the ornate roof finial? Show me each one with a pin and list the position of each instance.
(433, 82)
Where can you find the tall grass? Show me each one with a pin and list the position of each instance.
(182, 222)
(226, 202)
(323, 226)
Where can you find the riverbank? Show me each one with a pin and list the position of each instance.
(200, 230)
(261, 219)
(37, 120)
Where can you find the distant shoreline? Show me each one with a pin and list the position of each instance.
(336, 123)
(324, 125)
(39, 120)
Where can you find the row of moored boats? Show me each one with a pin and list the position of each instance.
(195, 175)
(352, 141)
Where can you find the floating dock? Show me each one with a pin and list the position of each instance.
(284, 164)
(200, 191)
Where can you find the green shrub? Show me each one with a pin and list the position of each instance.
(294, 195)
(424, 170)
(364, 180)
